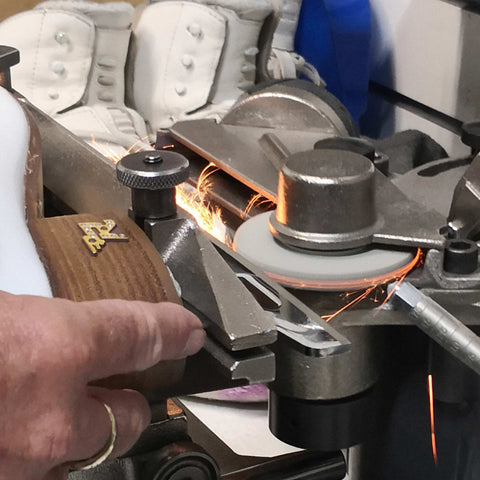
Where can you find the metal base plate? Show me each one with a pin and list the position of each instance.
(312, 271)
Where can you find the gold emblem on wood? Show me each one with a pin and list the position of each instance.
(97, 234)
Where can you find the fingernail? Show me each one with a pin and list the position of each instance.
(195, 342)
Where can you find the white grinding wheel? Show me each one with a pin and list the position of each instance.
(313, 271)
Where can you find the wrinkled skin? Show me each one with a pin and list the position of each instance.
(51, 349)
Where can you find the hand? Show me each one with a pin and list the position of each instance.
(51, 349)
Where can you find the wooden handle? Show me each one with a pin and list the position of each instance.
(125, 264)
(88, 257)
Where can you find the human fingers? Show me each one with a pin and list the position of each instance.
(62, 346)
(57, 473)
(132, 336)
(130, 411)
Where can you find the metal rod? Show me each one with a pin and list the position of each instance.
(441, 325)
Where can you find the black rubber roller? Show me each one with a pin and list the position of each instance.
(322, 425)
(181, 461)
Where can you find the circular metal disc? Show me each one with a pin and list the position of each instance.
(312, 271)
(293, 104)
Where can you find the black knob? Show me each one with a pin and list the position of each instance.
(181, 460)
(471, 134)
(153, 176)
(152, 170)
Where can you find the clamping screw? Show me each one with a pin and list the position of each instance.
(153, 176)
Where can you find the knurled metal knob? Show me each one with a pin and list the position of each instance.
(326, 201)
(153, 176)
(152, 170)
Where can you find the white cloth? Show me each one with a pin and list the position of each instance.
(21, 271)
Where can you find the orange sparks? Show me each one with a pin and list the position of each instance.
(356, 300)
(255, 201)
(194, 201)
(376, 283)
(202, 184)
(432, 420)
(115, 154)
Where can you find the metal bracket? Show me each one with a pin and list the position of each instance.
(9, 57)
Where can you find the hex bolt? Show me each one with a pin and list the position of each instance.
(153, 176)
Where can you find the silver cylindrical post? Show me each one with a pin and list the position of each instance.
(326, 201)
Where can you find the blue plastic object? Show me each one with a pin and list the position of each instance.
(334, 36)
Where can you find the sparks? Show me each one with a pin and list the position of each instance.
(376, 284)
(194, 200)
(356, 300)
(202, 184)
(432, 420)
(255, 202)
(115, 154)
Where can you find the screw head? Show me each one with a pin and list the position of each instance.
(152, 170)
(153, 157)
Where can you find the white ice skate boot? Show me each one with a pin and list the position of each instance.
(193, 59)
(284, 62)
(73, 56)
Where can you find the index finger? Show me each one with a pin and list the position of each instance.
(126, 336)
